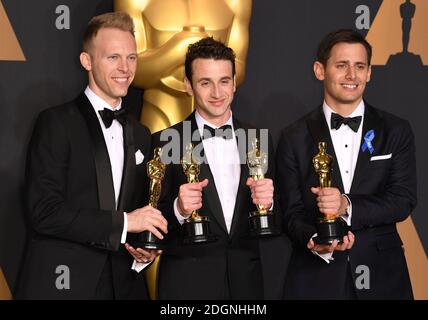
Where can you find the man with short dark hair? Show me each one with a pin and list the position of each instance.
(230, 267)
(86, 179)
(373, 184)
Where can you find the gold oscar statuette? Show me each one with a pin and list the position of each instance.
(262, 222)
(196, 228)
(329, 227)
(156, 172)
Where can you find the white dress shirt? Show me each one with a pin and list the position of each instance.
(113, 137)
(346, 145)
(223, 158)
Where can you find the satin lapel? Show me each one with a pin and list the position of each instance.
(210, 191)
(371, 121)
(242, 193)
(320, 131)
(128, 176)
(106, 196)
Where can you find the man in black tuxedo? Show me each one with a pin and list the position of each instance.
(373, 184)
(86, 180)
(230, 267)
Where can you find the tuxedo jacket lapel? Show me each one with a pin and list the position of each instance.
(320, 131)
(128, 176)
(242, 193)
(210, 191)
(106, 197)
(372, 121)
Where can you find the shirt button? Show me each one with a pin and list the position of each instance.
(346, 146)
(347, 171)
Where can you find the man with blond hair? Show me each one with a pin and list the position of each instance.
(85, 180)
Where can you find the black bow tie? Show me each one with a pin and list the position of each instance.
(337, 120)
(108, 116)
(224, 132)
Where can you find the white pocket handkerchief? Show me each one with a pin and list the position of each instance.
(383, 157)
(139, 157)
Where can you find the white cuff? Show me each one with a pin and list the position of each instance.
(348, 215)
(139, 266)
(271, 207)
(327, 257)
(125, 228)
(179, 217)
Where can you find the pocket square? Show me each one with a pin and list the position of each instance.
(383, 157)
(139, 157)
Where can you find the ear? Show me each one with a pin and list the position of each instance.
(85, 61)
(319, 70)
(188, 86)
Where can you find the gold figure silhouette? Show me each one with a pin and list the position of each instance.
(257, 162)
(155, 172)
(163, 30)
(322, 164)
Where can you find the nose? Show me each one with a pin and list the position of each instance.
(215, 91)
(351, 73)
(123, 65)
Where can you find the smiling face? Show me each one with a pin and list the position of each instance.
(213, 86)
(345, 76)
(111, 62)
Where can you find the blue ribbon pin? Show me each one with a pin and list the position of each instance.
(368, 138)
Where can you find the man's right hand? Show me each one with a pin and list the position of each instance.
(142, 255)
(147, 218)
(190, 197)
(348, 242)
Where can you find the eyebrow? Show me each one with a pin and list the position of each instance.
(347, 62)
(210, 79)
(119, 54)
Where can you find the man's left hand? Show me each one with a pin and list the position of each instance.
(261, 191)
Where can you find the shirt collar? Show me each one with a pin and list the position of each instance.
(359, 111)
(200, 121)
(98, 103)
